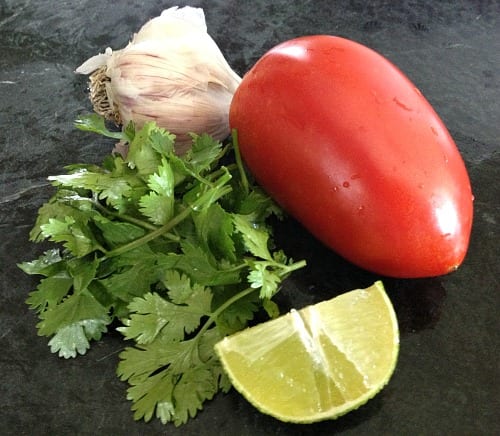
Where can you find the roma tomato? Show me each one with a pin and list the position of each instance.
(347, 145)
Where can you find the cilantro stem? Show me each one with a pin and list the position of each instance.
(294, 266)
(152, 235)
(239, 161)
(132, 220)
(213, 317)
(124, 216)
(200, 178)
(222, 308)
(136, 221)
(221, 170)
(218, 190)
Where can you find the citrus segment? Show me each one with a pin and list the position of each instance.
(319, 362)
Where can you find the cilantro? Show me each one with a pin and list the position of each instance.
(95, 123)
(176, 250)
(158, 204)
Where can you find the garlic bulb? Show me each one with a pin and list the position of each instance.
(171, 72)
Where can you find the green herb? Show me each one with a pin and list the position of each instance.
(176, 250)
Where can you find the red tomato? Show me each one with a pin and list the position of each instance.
(347, 145)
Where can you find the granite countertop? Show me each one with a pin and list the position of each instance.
(446, 380)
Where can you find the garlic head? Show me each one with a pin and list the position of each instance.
(171, 72)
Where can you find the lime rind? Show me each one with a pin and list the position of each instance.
(318, 390)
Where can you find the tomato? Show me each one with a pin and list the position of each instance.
(345, 143)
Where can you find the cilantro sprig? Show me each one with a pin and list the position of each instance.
(176, 250)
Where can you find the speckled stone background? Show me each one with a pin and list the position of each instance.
(447, 378)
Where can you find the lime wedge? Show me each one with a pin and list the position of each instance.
(319, 362)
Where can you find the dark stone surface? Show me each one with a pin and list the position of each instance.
(446, 381)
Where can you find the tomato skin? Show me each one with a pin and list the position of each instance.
(345, 143)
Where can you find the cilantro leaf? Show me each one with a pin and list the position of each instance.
(56, 208)
(131, 281)
(181, 291)
(152, 314)
(199, 265)
(259, 205)
(143, 153)
(178, 285)
(237, 315)
(204, 152)
(74, 235)
(158, 204)
(214, 227)
(161, 141)
(153, 394)
(75, 321)
(105, 185)
(195, 386)
(77, 307)
(50, 291)
(264, 278)
(254, 238)
(49, 263)
(169, 379)
(118, 232)
(73, 339)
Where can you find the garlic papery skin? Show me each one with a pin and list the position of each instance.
(171, 72)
